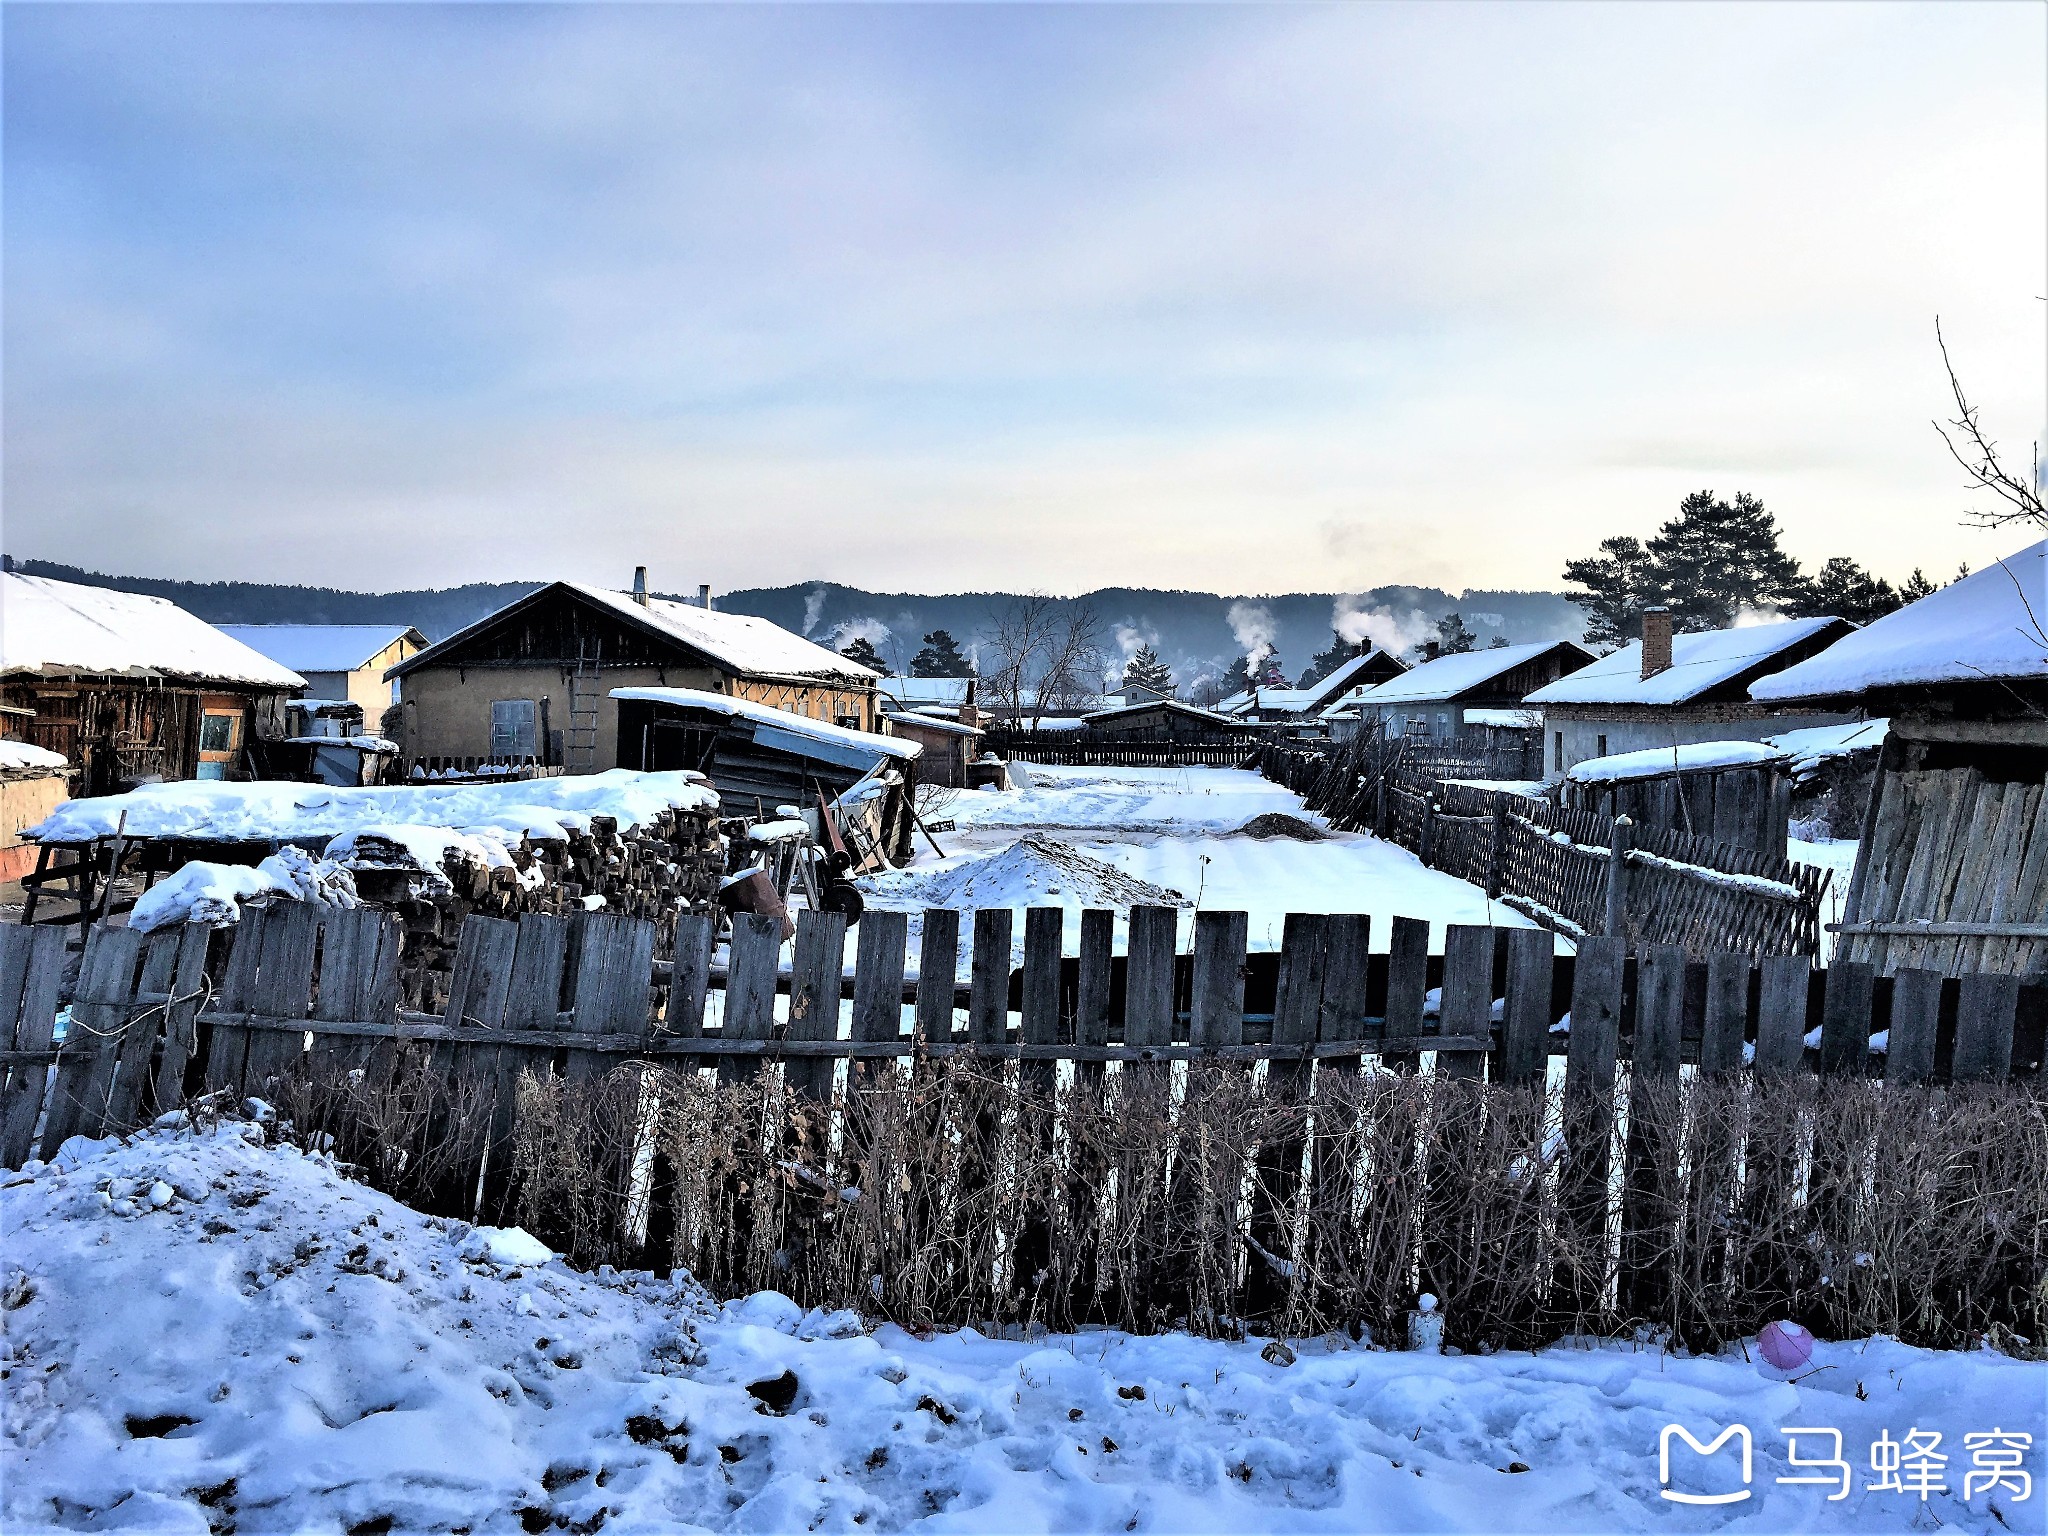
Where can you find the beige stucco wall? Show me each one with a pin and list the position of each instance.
(448, 709)
(23, 803)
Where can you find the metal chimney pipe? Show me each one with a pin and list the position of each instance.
(640, 585)
(704, 596)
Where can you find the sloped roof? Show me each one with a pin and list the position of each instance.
(1447, 677)
(1990, 626)
(61, 627)
(321, 647)
(1699, 664)
(739, 642)
(1175, 705)
(1340, 679)
(818, 732)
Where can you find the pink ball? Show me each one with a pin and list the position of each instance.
(1785, 1345)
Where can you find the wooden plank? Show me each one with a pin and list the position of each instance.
(227, 1047)
(1598, 972)
(1781, 1015)
(15, 944)
(1653, 1124)
(284, 989)
(99, 1017)
(1347, 971)
(29, 1028)
(139, 1035)
(690, 974)
(181, 1015)
(1216, 1009)
(1915, 1023)
(988, 997)
(1093, 971)
(938, 965)
(820, 958)
(1467, 997)
(750, 983)
(1845, 1020)
(1525, 1024)
(1298, 998)
(480, 986)
(1044, 939)
(1986, 1012)
(878, 977)
(1148, 976)
(1407, 986)
(1727, 1013)
(1595, 1037)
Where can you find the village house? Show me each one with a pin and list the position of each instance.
(1160, 720)
(1446, 699)
(532, 683)
(1671, 690)
(1952, 871)
(341, 663)
(130, 689)
(1368, 669)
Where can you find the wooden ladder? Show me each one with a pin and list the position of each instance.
(579, 749)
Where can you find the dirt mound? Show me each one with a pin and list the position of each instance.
(1280, 824)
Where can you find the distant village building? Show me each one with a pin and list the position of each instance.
(950, 745)
(341, 663)
(1952, 871)
(1670, 690)
(1268, 706)
(1160, 720)
(533, 682)
(1445, 699)
(131, 689)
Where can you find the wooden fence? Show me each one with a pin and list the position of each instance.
(1572, 870)
(1077, 750)
(1350, 1125)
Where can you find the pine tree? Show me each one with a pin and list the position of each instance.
(1619, 584)
(1847, 591)
(1718, 557)
(1452, 637)
(1499, 643)
(863, 652)
(1323, 663)
(1146, 670)
(1915, 587)
(940, 658)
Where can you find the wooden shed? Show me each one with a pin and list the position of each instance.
(130, 689)
(1161, 720)
(1952, 871)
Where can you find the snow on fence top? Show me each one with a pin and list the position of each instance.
(1699, 662)
(319, 647)
(1992, 625)
(1449, 676)
(476, 821)
(59, 626)
(802, 726)
(22, 757)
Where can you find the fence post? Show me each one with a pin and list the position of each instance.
(1379, 810)
(1617, 878)
(1498, 852)
(1428, 829)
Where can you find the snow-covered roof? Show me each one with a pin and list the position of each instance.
(1118, 711)
(800, 728)
(61, 627)
(1803, 750)
(739, 642)
(922, 720)
(22, 756)
(1699, 663)
(1991, 625)
(1432, 682)
(321, 647)
(1280, 701)
(1341, 679)
(215, 811)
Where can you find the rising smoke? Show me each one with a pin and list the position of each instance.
(1390, 631)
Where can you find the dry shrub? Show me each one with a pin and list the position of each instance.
(1216, 1198)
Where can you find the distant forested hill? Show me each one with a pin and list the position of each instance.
(1196, 633)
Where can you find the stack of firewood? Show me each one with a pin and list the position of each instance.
(669, 864)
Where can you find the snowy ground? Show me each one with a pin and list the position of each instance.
(272, 1348)
(1177, 828)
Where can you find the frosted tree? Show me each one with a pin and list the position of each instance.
(1146, 670)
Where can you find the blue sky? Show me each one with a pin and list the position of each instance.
(1242, 298)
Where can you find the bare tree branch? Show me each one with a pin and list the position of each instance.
(1979, 457)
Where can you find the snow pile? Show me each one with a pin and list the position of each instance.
(479, 822)
(293, 1352)
(210, 893)
(1806, 751)
(1127, 799)
(23, 757)
(59, 626)
(1034, 871)
(380, 746)
(1992, 624)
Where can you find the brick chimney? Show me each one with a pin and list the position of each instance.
(640, 585)
(1656, 641)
